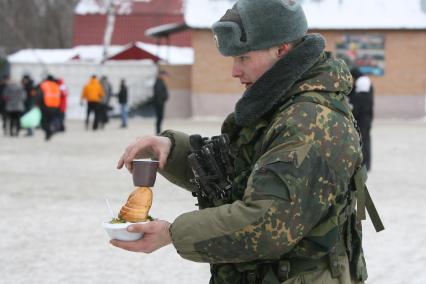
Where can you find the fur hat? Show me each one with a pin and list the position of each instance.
(259, 24)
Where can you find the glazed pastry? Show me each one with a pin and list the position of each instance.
(137, 206)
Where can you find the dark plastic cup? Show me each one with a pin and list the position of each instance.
(144, 172)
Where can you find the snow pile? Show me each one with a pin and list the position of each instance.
(328, 14)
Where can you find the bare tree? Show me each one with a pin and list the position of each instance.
(36, 24)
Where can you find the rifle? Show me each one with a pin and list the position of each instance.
(212, 168)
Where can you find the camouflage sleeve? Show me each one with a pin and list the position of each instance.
(177, 170)
(284, 199)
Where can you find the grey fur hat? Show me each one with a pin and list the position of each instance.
(259, 24)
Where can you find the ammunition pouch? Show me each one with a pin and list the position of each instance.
(269, 272)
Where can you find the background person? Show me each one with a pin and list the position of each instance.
(122, 100)
(63, 104)
(28, 84)
(287, 217)
(160, 96)
(14, 96)
(93, 94)
(3, 114)
(106, 86)
(362, 100)
(50, 95)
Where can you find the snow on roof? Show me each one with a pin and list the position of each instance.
(85, 7)
(46, 56)
(165, 29)
(172, 54)
(88, 7)
(84, 53)
(195, 12)
(126, 7)
(94, 54)
(328, 14)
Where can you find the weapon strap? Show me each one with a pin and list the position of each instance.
(364, 200)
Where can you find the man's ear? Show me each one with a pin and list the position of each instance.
(282, 50)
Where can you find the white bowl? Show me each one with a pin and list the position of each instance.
(119, 231)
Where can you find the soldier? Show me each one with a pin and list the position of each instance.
(290, 214)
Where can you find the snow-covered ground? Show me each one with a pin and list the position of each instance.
(52, 205)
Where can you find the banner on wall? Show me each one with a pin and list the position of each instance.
(367, 52)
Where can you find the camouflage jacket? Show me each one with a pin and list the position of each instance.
(294, 159)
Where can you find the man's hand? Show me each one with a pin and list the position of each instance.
(146, 147)
(156, 235)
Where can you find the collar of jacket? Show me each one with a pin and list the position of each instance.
(272, 86)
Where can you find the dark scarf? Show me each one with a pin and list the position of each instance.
(272, 86)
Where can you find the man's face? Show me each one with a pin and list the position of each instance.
(249, 67)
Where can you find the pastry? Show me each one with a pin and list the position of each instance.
(137, 206)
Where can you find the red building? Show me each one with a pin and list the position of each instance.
(132, 19)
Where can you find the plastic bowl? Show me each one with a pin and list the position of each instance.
(119, 231)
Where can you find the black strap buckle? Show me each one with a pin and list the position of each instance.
(283, 270)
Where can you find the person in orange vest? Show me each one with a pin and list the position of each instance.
(93, 93)
(50, 103)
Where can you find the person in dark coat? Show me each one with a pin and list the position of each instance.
(122, 100)
(104, 105)
(361, 99)
(160, 96)
(3, 104)
(28, 85)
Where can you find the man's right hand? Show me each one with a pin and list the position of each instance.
(157, 147)
(156, 235)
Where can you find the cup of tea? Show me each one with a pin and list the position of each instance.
(144, 172)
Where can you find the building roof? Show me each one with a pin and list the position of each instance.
(89, 29)
(134, 52)
(132, 19)
(328, 14)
